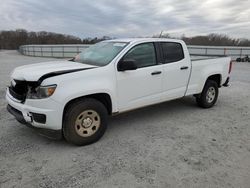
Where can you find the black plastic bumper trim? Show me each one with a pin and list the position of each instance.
(16, 113)
(49, 133)
(39, 118)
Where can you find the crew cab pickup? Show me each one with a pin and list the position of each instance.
(75, 97)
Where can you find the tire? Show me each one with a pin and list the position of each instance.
(85, 122)
(209, 95)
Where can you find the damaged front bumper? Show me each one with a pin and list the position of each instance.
(53, 134)
(45, 115)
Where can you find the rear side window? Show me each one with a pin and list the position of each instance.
(172, 52)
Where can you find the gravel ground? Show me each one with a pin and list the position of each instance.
(174, 144)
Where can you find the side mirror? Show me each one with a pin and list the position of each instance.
(124, 65)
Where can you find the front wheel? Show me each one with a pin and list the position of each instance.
(209, 95)
(85, 122)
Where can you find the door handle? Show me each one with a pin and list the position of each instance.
(184, 67)
(156, 72)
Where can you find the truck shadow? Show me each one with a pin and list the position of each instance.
(128, 120)
(160, 111)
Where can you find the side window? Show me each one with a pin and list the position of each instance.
(143, 54)
(172, 52)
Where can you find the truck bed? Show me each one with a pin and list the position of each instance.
(201, 65)
(197, 57)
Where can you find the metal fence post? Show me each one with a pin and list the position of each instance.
(41, 51)
(63, 51)
(51, 48)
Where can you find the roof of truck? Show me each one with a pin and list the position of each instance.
(145, 40)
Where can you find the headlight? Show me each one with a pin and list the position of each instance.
(41, 92)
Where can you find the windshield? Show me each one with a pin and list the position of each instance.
(100, 54)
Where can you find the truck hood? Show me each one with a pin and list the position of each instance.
(40, 71)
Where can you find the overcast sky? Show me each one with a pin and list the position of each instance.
(128, 18)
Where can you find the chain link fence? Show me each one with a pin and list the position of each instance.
(232, 51)
(68, 51)
(59, 51)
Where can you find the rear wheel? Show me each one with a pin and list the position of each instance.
(85, 122)
(209, 95)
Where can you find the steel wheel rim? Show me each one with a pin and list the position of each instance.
(210, 94)
(87, 123)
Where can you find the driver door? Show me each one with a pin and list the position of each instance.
(143, 86)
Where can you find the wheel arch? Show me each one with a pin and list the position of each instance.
(215, 77)
(104, 98)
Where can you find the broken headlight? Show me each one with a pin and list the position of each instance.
(41, 92)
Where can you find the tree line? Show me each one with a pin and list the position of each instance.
(215, 40)
(212, 39)
(12, 39)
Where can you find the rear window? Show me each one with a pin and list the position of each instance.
(172, 52)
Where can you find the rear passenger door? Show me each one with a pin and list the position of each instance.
(176, 70)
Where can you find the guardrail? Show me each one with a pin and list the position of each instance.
(232, 51)
(68, 51)
(61, 51)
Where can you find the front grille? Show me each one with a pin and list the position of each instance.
(19, 90)
(16, 95)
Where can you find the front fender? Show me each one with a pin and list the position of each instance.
(80, 84)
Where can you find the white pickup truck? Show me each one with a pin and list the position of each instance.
(74, 98)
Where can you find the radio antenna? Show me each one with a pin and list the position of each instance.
(160, 34)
